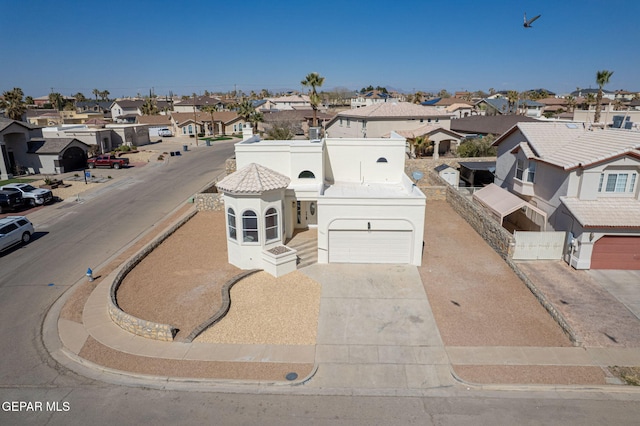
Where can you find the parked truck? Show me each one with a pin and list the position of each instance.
(107, 160)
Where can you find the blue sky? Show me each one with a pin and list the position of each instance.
(128, 47)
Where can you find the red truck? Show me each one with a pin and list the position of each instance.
(107, 160)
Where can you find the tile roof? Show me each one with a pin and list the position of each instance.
(452, 101)
(488, 124)
(49, 145)
(427, 129)
(200, 101)
(570, 145)
(394, 110)
(605, 212)
(253, 179)
(290, 98)
(154, 119)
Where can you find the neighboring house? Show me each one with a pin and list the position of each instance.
(155, 120)
(24, 150)
(43, 117)
(199, 102)
(300, 120)
(582, 93)
(54, 156)
(483, 125)
(103, 107)
(14, 136)
(585, 182)
(226, 123)
(104, 139)
(371, 97)
(501, 106)
(445, 141)
(128, 110)
(382, 118)
(354, 191)
(457, 107)
(288, 102)
(449, 174)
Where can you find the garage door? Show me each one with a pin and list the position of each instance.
(369, 246)
(616, 253)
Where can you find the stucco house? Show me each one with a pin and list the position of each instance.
(371, 97)
(586, 183)
(353, 191)
(379, 119)
(288, 102)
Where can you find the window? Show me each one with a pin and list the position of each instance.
(306, 175)
(249, 227)
(617, 182)
(231, 221)
(531, 173)
(271, 224)
(519, 169)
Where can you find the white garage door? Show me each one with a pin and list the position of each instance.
(369, 246)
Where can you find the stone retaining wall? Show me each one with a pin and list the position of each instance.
(130, 323)
(209, 202)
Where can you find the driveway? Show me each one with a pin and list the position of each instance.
(623, 285)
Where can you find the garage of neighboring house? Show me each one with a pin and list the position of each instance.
(57, 155)
(616, 252)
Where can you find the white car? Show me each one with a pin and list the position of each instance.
(165, 133)
(32, 195)
(14, 230)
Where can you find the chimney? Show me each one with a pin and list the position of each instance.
(247, 131)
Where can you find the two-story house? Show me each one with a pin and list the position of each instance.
(586, 181)
(371, 97)
(353, 191)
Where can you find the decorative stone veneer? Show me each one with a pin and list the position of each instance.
(209, 202)
(230, 166)
(130, 323)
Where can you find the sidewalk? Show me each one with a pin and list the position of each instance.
(376, 335)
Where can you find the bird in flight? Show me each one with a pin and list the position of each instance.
(527, 24)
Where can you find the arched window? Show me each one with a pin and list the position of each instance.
(231, 221)
(382, 160)
(249, 227)
(271, 224)
(306, 175)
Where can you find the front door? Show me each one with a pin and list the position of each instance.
(306, 214)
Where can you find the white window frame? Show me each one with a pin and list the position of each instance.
(271, 229)
(248, 232)
(613, 183)
(231, 222)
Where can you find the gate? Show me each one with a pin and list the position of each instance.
(539, 245)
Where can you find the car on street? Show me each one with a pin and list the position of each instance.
(15, 230)
(107, 160)
(10, 200)
(32, 195)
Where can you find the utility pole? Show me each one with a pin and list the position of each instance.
(195, 118)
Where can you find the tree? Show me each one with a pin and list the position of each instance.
(281, 130)
(104, 95)
(79, 97)
(96, 93)
(149, 107)
(14, 106)
(245, 108)
(602, 78)
(492, 91)
(512, 97)
(254, 118)
(444, 94)
(210, 109)
(590, 99)
(29, 100)
(571, 102)
(313, 80)
(477, 147)
(56, 100)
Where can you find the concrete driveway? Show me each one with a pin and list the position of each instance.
(623, 285)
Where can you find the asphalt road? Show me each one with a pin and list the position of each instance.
(73, 236)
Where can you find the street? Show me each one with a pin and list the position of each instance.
(72, 236)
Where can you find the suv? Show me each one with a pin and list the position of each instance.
(33, 196)
(14, 230)
(10, 200)
(165, 133)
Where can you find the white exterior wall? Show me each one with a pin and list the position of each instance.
(286, 157)
(376, 128)
(356, 160)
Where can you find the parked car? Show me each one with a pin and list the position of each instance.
(10, 200)
(32, 195)
(165, 133)
(14, 230)
(107, 160)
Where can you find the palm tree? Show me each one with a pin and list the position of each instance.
(313, 80)
(513, 96)
(104, 95)
(14, 106)
(589, 100)
(56, 100)
(80, 97)
(96, 92)
(602, 78)
(245, 109)
(255, 118)
(210, 109)
(571, 102)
